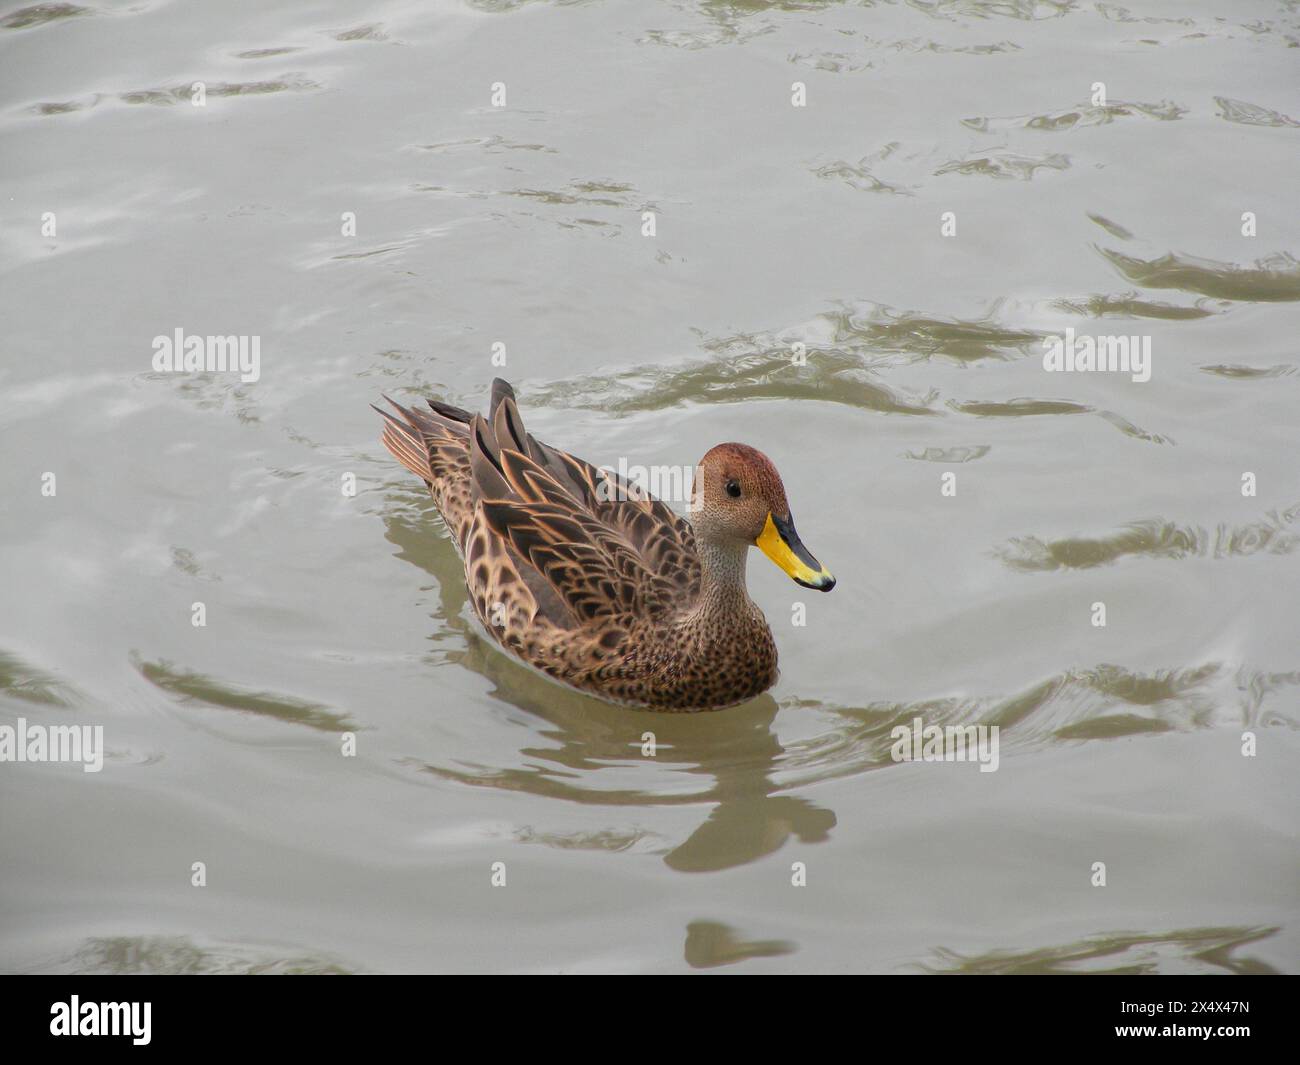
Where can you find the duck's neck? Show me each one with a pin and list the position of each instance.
(722, 582)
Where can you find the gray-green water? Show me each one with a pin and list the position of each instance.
(774, 225)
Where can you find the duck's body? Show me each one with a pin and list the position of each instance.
(590, 580)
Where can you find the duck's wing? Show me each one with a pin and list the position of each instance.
(543, 533)
(664, 542)
(558, 521)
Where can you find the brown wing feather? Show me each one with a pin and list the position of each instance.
(543, 533)
(665, 542)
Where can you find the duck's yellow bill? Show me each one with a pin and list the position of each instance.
(779, 542)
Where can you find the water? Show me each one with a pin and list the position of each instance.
(775, 225)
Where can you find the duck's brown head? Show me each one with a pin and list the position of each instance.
(738, 497)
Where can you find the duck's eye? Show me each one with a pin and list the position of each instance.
(733, 489)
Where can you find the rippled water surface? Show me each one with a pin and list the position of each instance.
(1122, 213)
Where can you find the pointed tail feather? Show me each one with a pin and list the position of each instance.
(485, 462)
(406, 443)
(501, 390)
(451, 413)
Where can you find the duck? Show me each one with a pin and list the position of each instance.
(585, 576)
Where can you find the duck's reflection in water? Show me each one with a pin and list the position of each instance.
(723, 759)
(710, 944)
(1203, 950)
